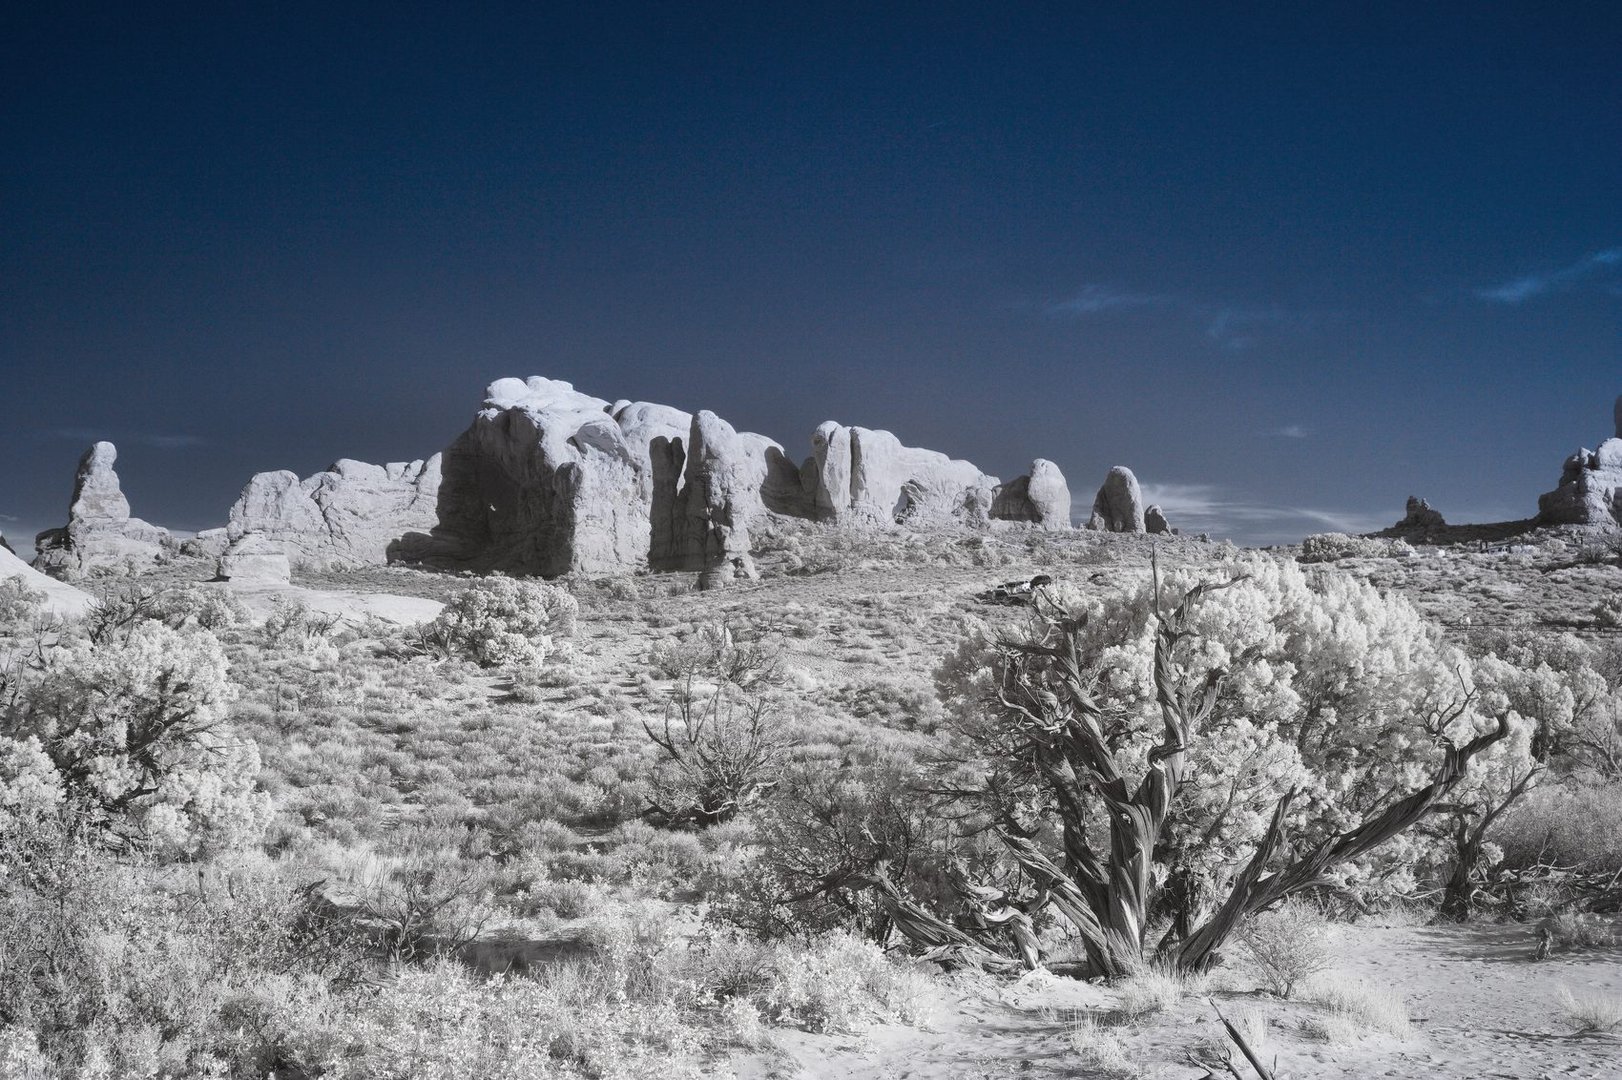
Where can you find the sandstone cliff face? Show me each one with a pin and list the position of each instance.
(1590, 489)
(346, 516)
(865, 476)
(100, 531)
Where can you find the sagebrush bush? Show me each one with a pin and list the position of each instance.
(1288, 945)
(503, 622)
(130, 732)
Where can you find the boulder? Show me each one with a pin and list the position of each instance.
(866, 476)
(100, 531)
(1040, 496)
(255, 559)
(1154, 520)
(1118, 506)
(347, 516)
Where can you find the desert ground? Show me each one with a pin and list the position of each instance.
(444, 865)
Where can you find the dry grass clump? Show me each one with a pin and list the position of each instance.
(1354, 1009)
(1154, 990)
(1592, 1011)
(1288, 945)
(1100, 1050)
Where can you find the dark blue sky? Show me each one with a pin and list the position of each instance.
(1289, 262)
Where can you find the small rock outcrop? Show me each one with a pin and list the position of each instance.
(343, 517)
(1420, 517)
(1119, 504)
(1590, 489)
(1154, 520)
(255, 559)
(100, 531)
(1040, 496)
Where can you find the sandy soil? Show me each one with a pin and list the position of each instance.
(1481, 1008)
(346, 604)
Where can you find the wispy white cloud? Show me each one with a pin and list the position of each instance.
(1231, 326)
(161, 440)
(1094, 299)
(1290, 431)
(1210, 508)
(1525, 288)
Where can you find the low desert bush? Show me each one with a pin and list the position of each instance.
(713, 652)
(1332, 547)
(1288, 945)
(1592, 1010)
(195, 605)
(503, 622)
(1568, 825)
(832, 982)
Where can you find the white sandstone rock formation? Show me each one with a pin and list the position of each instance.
(548, 480)
(1590, 490)
(1040, 496)
(703, 524)
(60, 598)
(255, 560)
(863, 476)
(1118, 506)
(346, 516)
(100, 531)
(1154, 520)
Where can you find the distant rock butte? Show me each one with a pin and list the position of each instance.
(548, 480)
(1590, 489)
(100, 532)
(1419, 517)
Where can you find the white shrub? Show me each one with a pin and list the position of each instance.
(504, 622)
